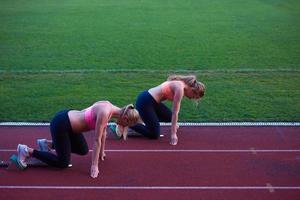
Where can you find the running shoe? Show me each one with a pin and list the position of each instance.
(114, 128)
(43, 146)
(23, 154)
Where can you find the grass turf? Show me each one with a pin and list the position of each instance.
(249, 51)
(149, 34)
(269, 96)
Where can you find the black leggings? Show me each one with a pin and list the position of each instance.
(151, 113)
(65, 142)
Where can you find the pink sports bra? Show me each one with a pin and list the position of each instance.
(166, 90)
(90, 119)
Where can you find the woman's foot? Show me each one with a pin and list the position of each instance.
(23, 154)
(43, 145)
(114, 128)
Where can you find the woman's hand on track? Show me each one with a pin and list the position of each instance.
(174, 139)
(94, 171)
(103, 155)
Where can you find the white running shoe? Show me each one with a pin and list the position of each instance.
(23, 154)
(114, 128)
(43, 146)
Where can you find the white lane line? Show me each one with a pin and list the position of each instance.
(201, 150)
(253, 150)
(179, 123)
(270, 187)
(150, 187)
(191, 150)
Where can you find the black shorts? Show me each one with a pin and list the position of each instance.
(65, 142)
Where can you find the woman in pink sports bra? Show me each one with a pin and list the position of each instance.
(152, 110)
(66, 131)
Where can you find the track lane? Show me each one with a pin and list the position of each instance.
(175, 169)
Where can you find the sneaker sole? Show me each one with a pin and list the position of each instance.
(18, 160)
(114, 131)
(14, 159)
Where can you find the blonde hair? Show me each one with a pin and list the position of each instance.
(190, 80)
(132, 116)
(131, 113)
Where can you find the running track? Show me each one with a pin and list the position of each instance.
(208, 163)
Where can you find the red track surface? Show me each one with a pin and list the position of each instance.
(207, 163)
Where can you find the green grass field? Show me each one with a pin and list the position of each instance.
(68, 54)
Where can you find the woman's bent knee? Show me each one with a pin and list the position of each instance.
(63, 165)
(154, 137)
(154, 134)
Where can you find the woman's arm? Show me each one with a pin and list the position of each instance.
(103, 139)
(178, 94)
(99, 132)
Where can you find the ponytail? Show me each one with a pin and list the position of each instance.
(126, 108)
(191, 81)
(132, 117)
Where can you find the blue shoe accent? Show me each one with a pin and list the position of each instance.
(42, 145)
(113, 128)
(14, 159)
